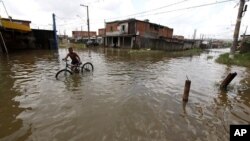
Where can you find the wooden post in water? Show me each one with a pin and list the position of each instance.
(186, 90)
(227, 80)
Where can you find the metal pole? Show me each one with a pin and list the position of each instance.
(88, 21)
(54, 29)
(237, 28)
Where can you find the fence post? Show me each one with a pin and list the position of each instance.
(186, 90)
(227, 80)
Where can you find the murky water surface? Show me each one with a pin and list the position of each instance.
(131, 95)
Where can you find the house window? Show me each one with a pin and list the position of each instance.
(156, 28)
(111, 28)
(123, 28)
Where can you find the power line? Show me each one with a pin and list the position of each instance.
(147, 11)
(64, 19)
(192, 7)
(186, 8)
(93, 2)
(139, 13)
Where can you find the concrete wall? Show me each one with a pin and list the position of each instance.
(36, 39)
(160, 44)
(43, 39)
(15, 40)
(155, 44)
(125, 42)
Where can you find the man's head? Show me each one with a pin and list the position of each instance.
(70, 49)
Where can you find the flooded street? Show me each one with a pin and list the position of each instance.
(130, 96)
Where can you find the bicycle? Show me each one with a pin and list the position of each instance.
(70, 69)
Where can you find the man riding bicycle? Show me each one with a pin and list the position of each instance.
(75, 59)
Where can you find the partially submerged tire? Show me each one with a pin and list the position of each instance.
(87, 67)
(63, 74)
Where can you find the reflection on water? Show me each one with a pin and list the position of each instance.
(131, 95)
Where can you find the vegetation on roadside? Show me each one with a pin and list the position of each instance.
(81, 45)
(209, 57)
(74, 45)
(189, 52)
(180, 53)
(239, 59)
(142, 51)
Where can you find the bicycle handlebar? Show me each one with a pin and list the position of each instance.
(66, 60)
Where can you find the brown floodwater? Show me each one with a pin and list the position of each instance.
(130, 96)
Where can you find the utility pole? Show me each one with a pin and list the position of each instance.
(104, 34)
(54, 30)
(194, 36)
(237, 28)
(87, 19)
(81, 34)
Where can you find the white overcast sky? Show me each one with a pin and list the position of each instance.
(214, 21)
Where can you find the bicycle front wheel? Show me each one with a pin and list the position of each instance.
(87, 67)
(62, 74)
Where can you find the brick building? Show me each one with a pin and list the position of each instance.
(178, 37)
(101, 32)
(83, 34)
(132, 32)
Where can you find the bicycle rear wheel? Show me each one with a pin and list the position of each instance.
(63, 74)
(87, 67)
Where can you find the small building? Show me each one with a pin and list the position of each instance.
(178, 37)
(134, 33)
(217, 44)
(63, 39)
(244, 44)
(82, 34)
(101, 35)
(101, 32)
(17, 35)
(245, 37)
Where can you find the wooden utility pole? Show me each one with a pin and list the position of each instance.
(237, 28)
